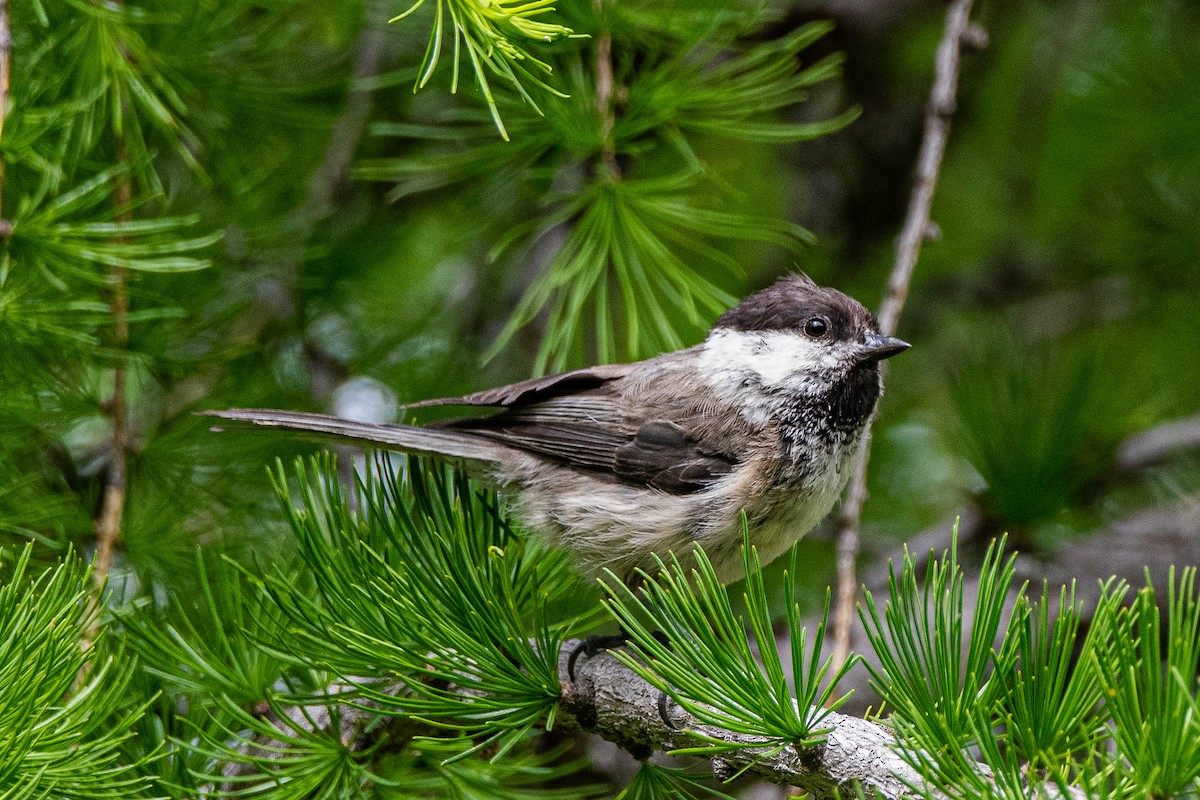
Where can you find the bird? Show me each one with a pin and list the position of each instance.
(623, 464)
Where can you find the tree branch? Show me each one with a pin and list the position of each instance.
(278, 296)
(110, 520)
(608, 699)
(112, 509)
(334, 168)
(917, 228)
(605, 93)
(1158, 444)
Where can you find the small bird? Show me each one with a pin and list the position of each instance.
(619, 462)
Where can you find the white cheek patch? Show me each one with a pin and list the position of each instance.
(775, 359)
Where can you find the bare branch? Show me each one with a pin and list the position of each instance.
(278, 296)
(110, 520)
(112, 510)
(917, 229)
(334, 168)
(1158, 444)
(608, 699)
(605, 93)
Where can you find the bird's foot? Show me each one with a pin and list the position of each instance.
(598, 643)
(593, 645)
(665, 705)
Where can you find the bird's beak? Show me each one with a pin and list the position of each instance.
(877, 348)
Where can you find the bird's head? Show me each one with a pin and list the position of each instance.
(798, 338)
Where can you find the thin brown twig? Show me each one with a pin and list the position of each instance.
(334, 169)
(606, 94)
(111, 519)
(112, 510)
(917, 228)
(327, 180)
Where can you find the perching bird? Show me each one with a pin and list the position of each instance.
(621, 461)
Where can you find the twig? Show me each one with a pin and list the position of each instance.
(917, 228)
(111, 518)
(279, 295)
(327, 179)
(605, 94)
(335, 166)
(112, 510)
(1156, 445)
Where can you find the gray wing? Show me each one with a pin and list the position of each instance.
(536, 390)
(578, 419)
(591, 433)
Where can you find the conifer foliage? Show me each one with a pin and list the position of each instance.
(209, 204)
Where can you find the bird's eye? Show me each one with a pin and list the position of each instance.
(816, 328)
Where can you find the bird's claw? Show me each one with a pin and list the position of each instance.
(592, 645)
(664, 710)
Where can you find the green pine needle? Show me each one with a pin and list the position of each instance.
(1113, 713)
(134, 100)
(709, 666)
(1048, 697)
(932, 671)
(209, 642)
(712, 88)
(66, 236)
(61, 735)
(496, 37)
(1154, 695)
(656, 782)
(424, 584)
(625, 253)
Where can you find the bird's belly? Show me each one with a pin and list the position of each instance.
(621, 527)
(782, 515)
(609, 526)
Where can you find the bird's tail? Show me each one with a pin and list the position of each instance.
(447, 445)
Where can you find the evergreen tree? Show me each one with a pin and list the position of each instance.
(284, 203)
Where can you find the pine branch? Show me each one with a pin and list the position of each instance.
(61, 742)
(609, 700)
(917, 228)
(329, 178)
(425, 589)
